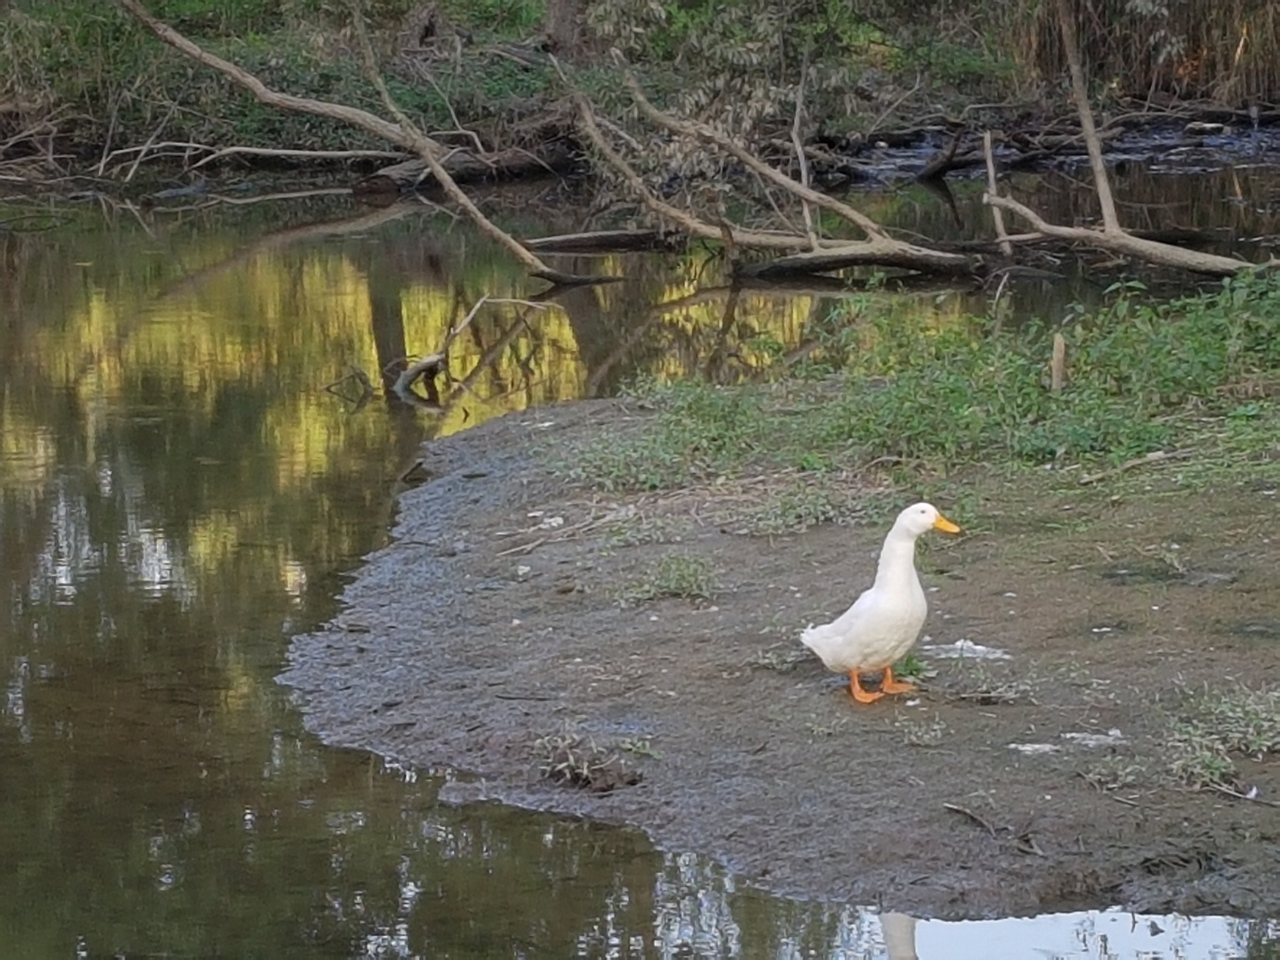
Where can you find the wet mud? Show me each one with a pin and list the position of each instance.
(493, 638)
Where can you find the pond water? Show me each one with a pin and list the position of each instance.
(179, 494)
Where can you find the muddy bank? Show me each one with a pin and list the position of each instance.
(494, 621)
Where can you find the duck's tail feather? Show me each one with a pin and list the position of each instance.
(818, 638)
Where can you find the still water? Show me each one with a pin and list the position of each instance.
(179, 494)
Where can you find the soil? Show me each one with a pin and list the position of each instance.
(490, 636)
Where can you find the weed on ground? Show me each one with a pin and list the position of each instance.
(1217, 726)
(683, 575)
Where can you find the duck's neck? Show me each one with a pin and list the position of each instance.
(897, 560)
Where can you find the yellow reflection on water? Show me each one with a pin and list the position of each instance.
(235, 346)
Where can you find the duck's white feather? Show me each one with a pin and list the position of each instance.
(884, 622)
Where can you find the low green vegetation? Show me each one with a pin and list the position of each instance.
(1199, 745)
(1143, 376)
(103, 81)
(91, 72)
(683, 575)
(1219, 726)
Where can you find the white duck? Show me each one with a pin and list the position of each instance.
(885, 620)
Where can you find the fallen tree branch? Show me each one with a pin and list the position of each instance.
(803, 161)
(701, 131)
(430, 152)
(879, 250)
(940, 164)
(1112, 237)
(426, 369)
(603, 241)
(1006, 247)
(1124, 243)
(689, 223)
(352, 116)
(219, 153)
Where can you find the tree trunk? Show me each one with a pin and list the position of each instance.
(566, 28)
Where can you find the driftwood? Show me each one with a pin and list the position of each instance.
(804, 250)
(607, 241)
(466, 166)
(544, 144)
(185, 149)
(940, 165)
(1125, 244)
(1006, 247)
(879, 253)
(426, 370)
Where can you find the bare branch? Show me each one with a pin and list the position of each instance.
(297, 154)
(798, 143)
(217, 153)
(688, 222)
(701, 131)
(1005, 246)
(880, 250)
(1124, 243)
(405, 134)
(429, 151)
(1110, 222)
(353, 116)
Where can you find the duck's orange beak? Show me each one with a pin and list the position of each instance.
(945, 525)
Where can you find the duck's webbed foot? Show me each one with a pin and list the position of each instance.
(856, 691)
(890, 685)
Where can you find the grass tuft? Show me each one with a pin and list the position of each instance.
(681, 575)
(1218, 726)
(572, 759)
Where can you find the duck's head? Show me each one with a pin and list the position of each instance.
(922, 517)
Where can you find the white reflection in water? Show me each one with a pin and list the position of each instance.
(105, 478)
(1089, 935)
(151, 560)
(71, 556)
(69, 553)
(295, 580)
(693, 909)
(15, 703)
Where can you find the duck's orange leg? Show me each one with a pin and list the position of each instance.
(856, 691)
(890, 685)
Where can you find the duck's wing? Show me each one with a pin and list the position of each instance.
(823, 638)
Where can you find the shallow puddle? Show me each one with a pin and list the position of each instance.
(179, 493)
